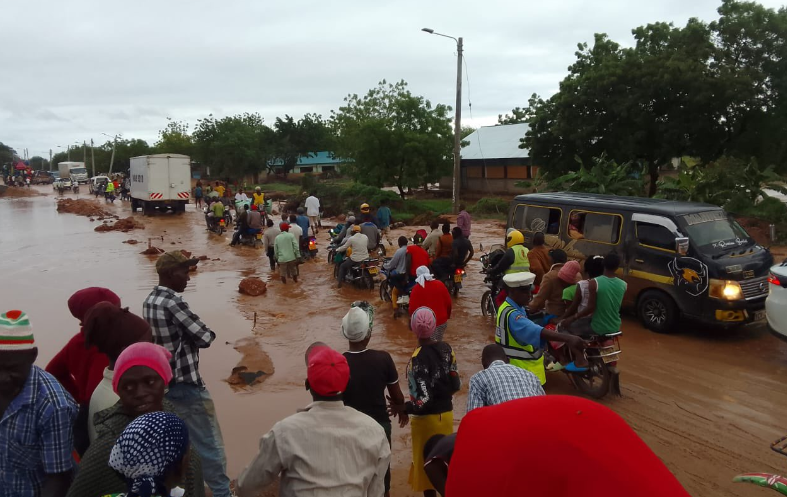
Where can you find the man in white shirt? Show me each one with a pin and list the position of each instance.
(432, 240)
(312, 205)
(294, 228)
(360, 252)
(326, 450)
(241, 197)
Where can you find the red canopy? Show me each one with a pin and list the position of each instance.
(20, 166)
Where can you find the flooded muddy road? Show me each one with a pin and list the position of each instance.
(707, 402)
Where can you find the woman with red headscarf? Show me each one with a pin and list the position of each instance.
(79, 368)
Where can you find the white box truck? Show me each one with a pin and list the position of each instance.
(160, 181)
(76, 171)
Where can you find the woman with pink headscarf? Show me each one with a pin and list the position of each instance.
(433, 379)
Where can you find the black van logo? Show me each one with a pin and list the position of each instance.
(689, 274)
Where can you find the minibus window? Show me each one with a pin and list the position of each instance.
(654, 235)
(595, 227)
(534, 218)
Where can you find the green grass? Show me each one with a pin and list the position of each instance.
(278, 187)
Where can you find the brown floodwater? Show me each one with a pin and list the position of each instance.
(707, 402)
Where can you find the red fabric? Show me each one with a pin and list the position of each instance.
(591, 452)
(419, 258)
(84, 299)
(434, 296)
(78, 369)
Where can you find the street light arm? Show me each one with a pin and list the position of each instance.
(432, 32)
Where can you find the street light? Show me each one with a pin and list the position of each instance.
(457, 116)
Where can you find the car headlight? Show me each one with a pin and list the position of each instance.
(725, 290)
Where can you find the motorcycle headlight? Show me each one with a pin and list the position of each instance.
(725, 290)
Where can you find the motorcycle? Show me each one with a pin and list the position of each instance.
(75, 188)
(213, 225)
(386, 292)
(312, 246)
(453, 280)
(250, 240)
(361, 275)
(602, 352)
(493, 282)
(767, 480)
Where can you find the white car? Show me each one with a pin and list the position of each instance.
(776, 303)
(64, 182)
(95, 180)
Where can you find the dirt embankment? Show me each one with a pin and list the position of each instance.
(17, 192)
(83, 207)
(124, 225)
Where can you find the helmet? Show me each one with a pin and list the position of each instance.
(365, 208)
(258, 188)
(515, 238)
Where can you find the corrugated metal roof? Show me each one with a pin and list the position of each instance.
(317, 158)
(496, 142)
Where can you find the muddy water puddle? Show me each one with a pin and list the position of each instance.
(707, 402)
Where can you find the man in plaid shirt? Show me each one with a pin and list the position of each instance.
(183, 334)
(36, 418)
(499, 381)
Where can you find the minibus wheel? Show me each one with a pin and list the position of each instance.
(657, 311)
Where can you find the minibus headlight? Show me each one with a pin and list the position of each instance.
(725, 290)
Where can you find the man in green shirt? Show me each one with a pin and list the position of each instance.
(609, 297)
(286, 252)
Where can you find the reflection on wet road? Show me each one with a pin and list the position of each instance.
(708, 403)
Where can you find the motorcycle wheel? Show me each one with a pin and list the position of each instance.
(367, 281)
(385, 291)
(595, 381)
(380, 251)
(487, 304)
(454, 289)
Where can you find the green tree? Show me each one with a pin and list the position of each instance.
(38, 163)
(175, 139)
(297, 139)
(603, 176)
(700, 90)
(233, 146)
(7, 155)
(391, 136)
(467, 131)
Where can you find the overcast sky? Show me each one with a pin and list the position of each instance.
(74, 70)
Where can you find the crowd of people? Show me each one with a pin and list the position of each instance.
(122, 409)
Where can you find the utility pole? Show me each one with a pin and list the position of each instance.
(93, 157)
(458, 128)
(68, 154)
(84, 152)
(50, 159)
(112, 160)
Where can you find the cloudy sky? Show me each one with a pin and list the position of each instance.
(74, 70)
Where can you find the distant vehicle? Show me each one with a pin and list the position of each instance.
(42, 178)
(776, 303)
(61, 183)
(160, 181)
(74, 170)
(55, 174)
(95, 180)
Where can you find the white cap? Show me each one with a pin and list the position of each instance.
(355, 325)
(515, 280)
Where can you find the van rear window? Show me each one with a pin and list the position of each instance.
(535, 218)
(595, 227)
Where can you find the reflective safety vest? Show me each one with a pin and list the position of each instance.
(521, 262)
(524, 356)
(259, 198)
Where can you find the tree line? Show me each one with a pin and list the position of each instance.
(704, 90)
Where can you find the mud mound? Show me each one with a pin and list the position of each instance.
(83, 207)
(123, 225)
(152, 251)
(252, 286)
(131, 242)
(426, 219)
(17, 192)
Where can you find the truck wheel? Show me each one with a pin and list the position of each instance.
(657, 311)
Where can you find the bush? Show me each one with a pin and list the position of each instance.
(490, 205)
(770, 209)
(308, 182)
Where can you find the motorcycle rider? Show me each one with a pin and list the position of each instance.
(367, 216)
(431, 241)
(243, 225)
(397, 271)
(359, 243)
(345, 229)
(303, 222)
(461, 249)
(372, 232)
(522, 339)
(259, 198)
(217, 211)
(514, 260)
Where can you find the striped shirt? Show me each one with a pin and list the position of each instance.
(499, 383)
(36, 436)
(179, 330)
